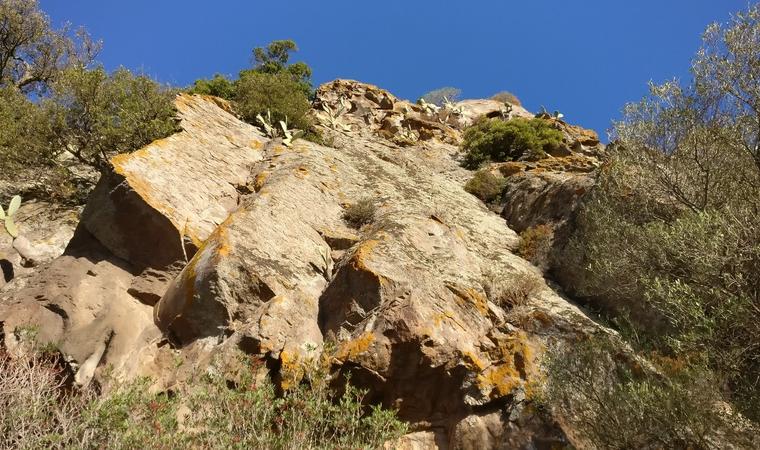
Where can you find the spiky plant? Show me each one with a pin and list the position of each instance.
(7, 217)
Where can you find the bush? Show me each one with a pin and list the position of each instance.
(437, 96)
(218, 86)
(485, 186)
(535, 245)
(256, 93)
(511, 290)
(95, 115)
(360, 213)
(614, 402)
(39, 411)
(671, 234)
(23, 142)
(506, 97)
(499, 140)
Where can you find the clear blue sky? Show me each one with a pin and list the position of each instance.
(586, 58)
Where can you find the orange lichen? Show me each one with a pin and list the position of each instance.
(514, 366)
(470, 297)
(291, 369)
(350, 350)
(256, 144)
(359, 260)
(302, 172)
(260, 179)
(501, 380)
(473, 361)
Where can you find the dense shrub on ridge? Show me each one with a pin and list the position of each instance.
(280, 94)
(498, 140)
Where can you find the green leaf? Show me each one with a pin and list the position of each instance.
(2, 213)
(14, 206)
(11, 227)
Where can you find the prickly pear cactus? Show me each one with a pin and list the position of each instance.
(7, 217)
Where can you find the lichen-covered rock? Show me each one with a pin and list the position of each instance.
(162, 201)
(270, 267)
(45, 229)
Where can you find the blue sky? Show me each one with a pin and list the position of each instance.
(586, 58)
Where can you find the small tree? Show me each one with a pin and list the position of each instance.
(32, 53)
(95, 114)
(274, 59)
(438, 96)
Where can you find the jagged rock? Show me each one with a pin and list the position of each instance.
(162, 201)
(473, 110)
(77, 301)
(45, 229)
(273, 270)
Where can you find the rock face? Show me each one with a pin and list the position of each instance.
(217, 239)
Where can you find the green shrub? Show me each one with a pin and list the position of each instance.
(256, 93)
(485, 186)
(218, 86)
(499, 140)
(535, 245)
(23, 142)
(360, 213)
(438, 96)
(613, 401)
(670, 237)
(95, 115)
(506, 97)
(38, 411)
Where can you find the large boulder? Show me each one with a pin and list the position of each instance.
(161, 202)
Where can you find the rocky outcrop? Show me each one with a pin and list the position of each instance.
(46, 229)
(217, 239)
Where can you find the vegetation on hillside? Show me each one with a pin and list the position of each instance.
(273, 86)
(499, 140)
(58, 105)
(39, 409)
(439, 96)
(668, 244)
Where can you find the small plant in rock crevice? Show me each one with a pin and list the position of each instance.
(511, 290)
(360, 213)
(485, 186)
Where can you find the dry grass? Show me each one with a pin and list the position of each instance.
(511, 290)
(507, 97)
(39, 408)
(536, 244)
(360, 213)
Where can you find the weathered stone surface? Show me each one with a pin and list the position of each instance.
(79, 302)
(274, 270)
(475, 109)
(46, 228)
(175, 190)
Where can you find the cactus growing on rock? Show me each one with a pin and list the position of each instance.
(7, 217)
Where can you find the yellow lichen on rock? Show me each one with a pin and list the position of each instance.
(350, 350)
(514, 366)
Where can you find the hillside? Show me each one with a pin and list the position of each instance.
(218, 239)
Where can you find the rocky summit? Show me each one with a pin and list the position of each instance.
(219, 240)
